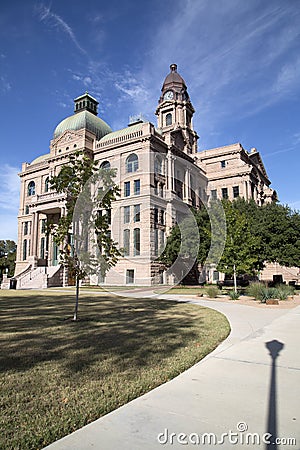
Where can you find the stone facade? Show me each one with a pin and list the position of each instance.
(233, 172)
(159, 171)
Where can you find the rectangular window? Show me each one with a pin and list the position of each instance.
(156, 242)
(137, 187)
(162, 240)
(24, 250)
(25, 228)
(215, 275)
(161, 190)
(223, 164)
(42, 252)
(26, 209)
(224, 192)
(236, 191)
(162, 217)
(155, 215)
(44, 222)
(126, 242)
(129, 276)
(127, 189)
(137, 213)
(126, 214)
(136, 242)
(213, 194)
(156, 188)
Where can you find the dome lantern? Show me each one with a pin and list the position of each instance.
(86, 102)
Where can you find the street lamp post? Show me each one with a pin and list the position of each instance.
(46, 260)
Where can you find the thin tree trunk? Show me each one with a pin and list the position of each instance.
(77, 298)
(234, 278)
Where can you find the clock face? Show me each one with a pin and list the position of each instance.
(168, 95)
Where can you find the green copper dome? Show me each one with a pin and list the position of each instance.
(83, 119)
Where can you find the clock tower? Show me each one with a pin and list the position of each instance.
(175, 111)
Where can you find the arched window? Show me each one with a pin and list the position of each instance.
(126, 242)
(31, 188)
(132, 163)
(47, 184)
(168, 119)
(136, 242)
(105, 165)
(158, 165)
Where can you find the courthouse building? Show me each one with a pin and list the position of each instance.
(160, 173)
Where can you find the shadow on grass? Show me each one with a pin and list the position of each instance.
(34, 330)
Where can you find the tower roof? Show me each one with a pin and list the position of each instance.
(173, 80)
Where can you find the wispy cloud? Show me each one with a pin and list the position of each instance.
(9, 201)
(285, 150)
(8, 226)
(86, 80)
(47, 16)
(288, 77)
(236, 55)
(296, 138)
(5, 85)
(239, 58)
(10, 188)
(131, 86)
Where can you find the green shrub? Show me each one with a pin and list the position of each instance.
(267, 293)
(234, 295)
(212, 291)
(282, 294)
(255, 290)
(283, 291)
(260, 292)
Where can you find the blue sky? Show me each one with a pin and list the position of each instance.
(240, 60)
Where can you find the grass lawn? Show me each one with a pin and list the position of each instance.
(186, 290)
(57, 375)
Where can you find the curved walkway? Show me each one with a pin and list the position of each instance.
(250, 381)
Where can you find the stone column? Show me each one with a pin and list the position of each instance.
(170, 159)
(187, 184)
(34, 233)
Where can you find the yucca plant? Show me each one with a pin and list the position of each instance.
(283, 291)
(234, 295)
(255, 290)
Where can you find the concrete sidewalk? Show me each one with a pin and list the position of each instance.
(238, 386)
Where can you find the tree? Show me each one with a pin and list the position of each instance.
(188, 245)
(243, 250)
(280, 233)
(78, 180)
(254, 235)
(278, 227)
(8, 251)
